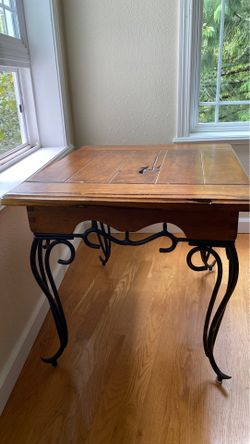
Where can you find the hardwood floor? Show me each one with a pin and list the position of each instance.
(134, 370)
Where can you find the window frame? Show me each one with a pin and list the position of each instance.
(15, 57)
(50, 108)
(6, 8)
(188, 128)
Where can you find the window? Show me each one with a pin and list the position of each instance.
(18, 132)
(9, 24)
(214, 70)
(12, 124)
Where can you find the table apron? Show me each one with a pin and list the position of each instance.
(201, 222)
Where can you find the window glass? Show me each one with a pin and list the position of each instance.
(10, 119)
(224, 67)
(3, 28)
(206, 114)
(8, 18)
(234, 113)
(209, 53)
(235, 57)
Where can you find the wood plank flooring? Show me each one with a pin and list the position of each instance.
(135, 371)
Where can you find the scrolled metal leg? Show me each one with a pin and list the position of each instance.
(104, 240)
(205, 258)
(40, 265)
(174, 240)
(211, 328)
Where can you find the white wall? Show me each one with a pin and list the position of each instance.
(19, 292)
(122, 58)
(20, 297)
(123, 67)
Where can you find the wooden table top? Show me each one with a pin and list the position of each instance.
(116, 175)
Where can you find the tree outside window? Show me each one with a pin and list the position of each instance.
(10, 134)
(224, 68)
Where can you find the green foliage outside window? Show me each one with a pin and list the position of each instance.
(10, 135)
(235, 84)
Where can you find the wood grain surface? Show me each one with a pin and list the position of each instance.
(135, 371)
(209, 223)
(116, 175)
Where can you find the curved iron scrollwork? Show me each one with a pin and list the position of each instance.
(40, 264)
(105, 239)
(211, 327)
(43, 244)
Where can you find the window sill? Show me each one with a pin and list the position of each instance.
(229, 136)
(23, 169)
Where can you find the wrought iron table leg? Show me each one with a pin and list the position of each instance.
(104, 240)
(211, 327)
(205, 258)
(43, 245)
(40, 264)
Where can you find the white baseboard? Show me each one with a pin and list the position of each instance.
(16, 361)
(20, 352)
(244, 224)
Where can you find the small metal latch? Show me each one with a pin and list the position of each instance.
(147, 169)
(152, 169)
(143, 170)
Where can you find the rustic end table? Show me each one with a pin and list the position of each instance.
(200, 188)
